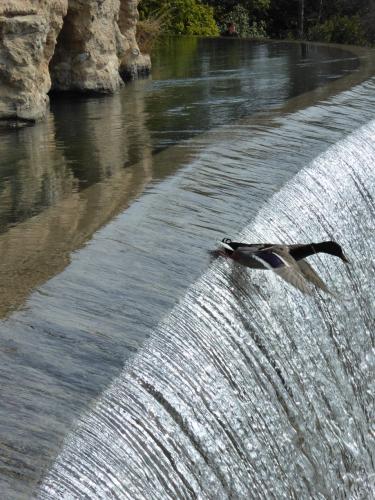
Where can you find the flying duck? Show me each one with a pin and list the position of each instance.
(285, 260)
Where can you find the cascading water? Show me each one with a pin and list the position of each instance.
(249, 389)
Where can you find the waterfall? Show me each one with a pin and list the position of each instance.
(249, 389)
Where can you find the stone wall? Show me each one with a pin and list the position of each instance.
(82, 45)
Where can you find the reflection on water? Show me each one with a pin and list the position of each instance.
(46, 170)
(45, 213)
(62, 180)
(197, 85)
(203, 84)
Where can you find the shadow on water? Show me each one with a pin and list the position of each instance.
(63, 181)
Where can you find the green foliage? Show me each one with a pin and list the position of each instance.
(339, 21)
(240, 17)
(246, 14)
(251, 6)
(368, 21)
(181, 17)
(339, 29)
(258, 30)
(258, 7)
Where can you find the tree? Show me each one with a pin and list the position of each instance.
(301, 18)
(256, 10)
(368, 21)
(181, 17)
(343, 21)
(339, 29)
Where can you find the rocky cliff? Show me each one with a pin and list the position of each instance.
(28, 32)
(79, 45)
(132, 62)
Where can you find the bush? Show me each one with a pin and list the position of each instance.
(339, 29)
(240, 17)
(258, 30)
(368, 22)
(181, 17)
(148, 31)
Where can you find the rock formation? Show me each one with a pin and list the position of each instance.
(86, 56)
(28, 31)
(82, 45)
(132, 62)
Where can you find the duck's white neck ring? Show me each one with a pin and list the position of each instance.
(225, 245)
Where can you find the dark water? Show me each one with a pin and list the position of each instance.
(196, 85)
(104, 163)
(227, 81)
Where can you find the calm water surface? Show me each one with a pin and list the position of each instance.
(109, 160)
(63, 179)
(196, 85)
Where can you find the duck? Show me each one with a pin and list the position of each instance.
(287, 261)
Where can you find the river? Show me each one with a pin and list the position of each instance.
(129, 360)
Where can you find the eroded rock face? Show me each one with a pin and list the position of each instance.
(86, 56)
(28, 32)
(132, 62)
(82, 45)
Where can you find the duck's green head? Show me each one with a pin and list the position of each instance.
(332, 248)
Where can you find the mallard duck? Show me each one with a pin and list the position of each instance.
(285, 260)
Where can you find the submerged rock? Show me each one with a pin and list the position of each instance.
(66, 45)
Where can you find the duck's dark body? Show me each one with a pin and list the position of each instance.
(285, 260)
(298, 252)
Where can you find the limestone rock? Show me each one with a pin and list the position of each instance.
(86, 54)
(28, 31)
(132, 62)
(82, 45)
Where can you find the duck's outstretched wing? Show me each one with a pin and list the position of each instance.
(258, 257)
(290, 271)
(293, 275)
(311, 275)
(288, 268)
(298, 273)
(277, 259)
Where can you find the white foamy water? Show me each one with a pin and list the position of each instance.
(249, 389)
